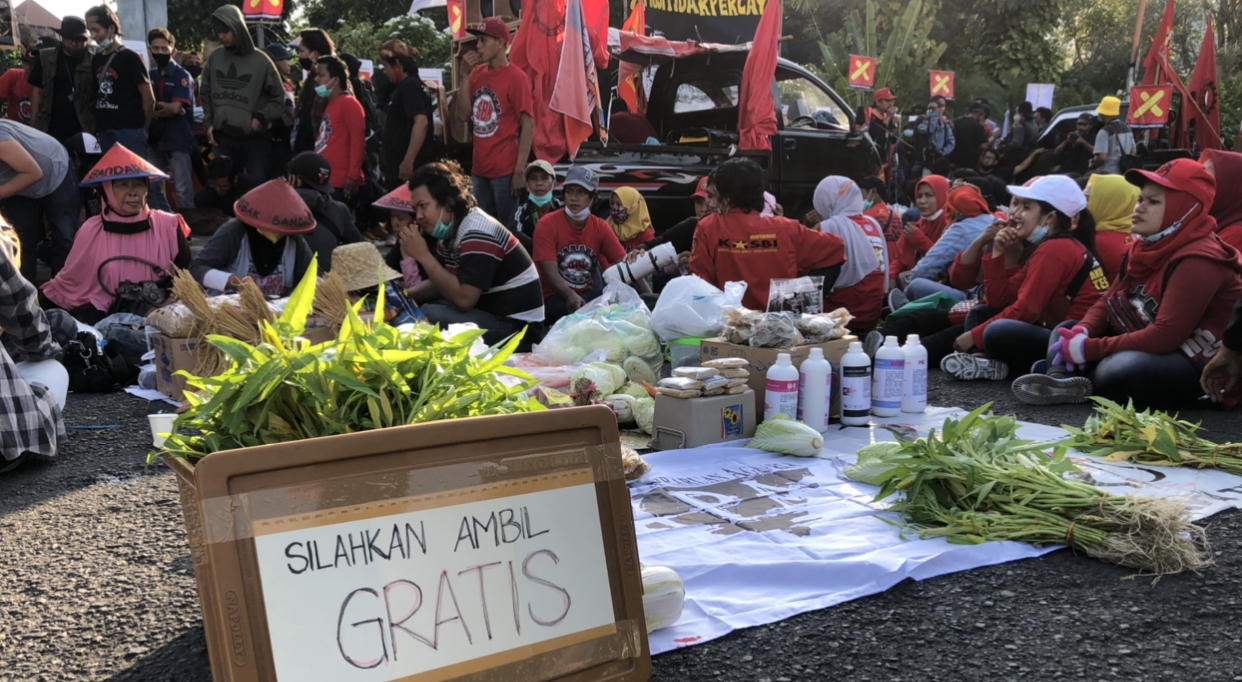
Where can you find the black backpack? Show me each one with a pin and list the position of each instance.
(95, 368)
(1115, 129)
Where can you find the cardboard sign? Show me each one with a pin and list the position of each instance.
(457, 18)
(941, 84)
(1040, 94)
(862, 72)
(366, 69)
(495, 548)
(1149, 105)
(139, 47)
(432, 76)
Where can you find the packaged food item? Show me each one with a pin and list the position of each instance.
(681, 384)
(737, 381)
(735, 373)
(801, 295)
(633, 463)
(727, 363)
(735, 390)
(715, 386)
(680, 392)
(699, 373)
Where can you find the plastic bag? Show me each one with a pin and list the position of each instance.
(798, 296)
(691, 308)
(617, 323)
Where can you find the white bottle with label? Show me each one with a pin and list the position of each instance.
(815, 391)
(887, 377)
(781, 396)
(914, 384)
(855, 386)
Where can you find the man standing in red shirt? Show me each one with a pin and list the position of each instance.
(573, 248)
(342, 133)
(16, 89)
(502, 117)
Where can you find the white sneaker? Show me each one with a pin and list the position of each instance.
(967, 367)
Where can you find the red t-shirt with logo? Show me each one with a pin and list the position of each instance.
(499, 98)
(577, 253)
(342, 139)
(17, 90)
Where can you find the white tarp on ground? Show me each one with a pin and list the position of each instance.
(759, 537)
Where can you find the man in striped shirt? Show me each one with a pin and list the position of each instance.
(476, 271)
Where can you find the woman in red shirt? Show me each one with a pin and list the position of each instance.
(1227, 206)
(1151, 334)
(931, 195)
(861, 285)
(1061, 280)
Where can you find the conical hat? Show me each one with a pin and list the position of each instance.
(397, 200)
(120, 164)
(275, 207)
(361, 266)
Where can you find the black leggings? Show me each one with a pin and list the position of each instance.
(935, 331)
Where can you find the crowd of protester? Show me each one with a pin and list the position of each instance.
(1050, 260)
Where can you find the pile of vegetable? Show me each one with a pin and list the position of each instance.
(976, 481)
(1150, 438)
(620, 332)
(373, 376)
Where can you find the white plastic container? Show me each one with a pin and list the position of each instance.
(161, 427)
(781, 394)
(855, 386)
(914, 383)
(815, 391)
(887, 378)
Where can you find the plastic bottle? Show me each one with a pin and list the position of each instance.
(855, 386)
(886, 379)
(781, 396)
(815, 391)
(658, 258)
(914, 383)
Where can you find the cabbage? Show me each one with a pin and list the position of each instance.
(639, 371)
(614, 349)
(634, 390)
(623, 405)
(644, 345)
(619, 378)
(604, 381)
(787, 437)
(644, 414)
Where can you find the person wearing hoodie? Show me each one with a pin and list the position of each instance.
(242, 94)
(930, 196)
(1111, 200)
(967, 206)
(1150, 336)
(309, 174)
(1227, 207)
(864, 276)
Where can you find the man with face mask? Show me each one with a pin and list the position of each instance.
(172, 138)
(342, 133)
(62, 80)
(314, 44)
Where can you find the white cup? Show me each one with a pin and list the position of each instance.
(161, 428)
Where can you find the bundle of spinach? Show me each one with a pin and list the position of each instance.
(976, 481)
(1151, 438)
(373, 376)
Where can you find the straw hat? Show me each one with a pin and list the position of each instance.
(275, 207)
(361, 266)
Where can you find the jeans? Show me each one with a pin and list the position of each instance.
(249, 153)
(177, 164)
(61, 210)
(445, 313)
(921, 288)
(495, 197)
(1016, 343)
(135, 140)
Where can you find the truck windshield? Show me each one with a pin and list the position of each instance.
(805, 104)
(708, 91)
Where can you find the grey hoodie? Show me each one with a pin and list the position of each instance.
(240, 84)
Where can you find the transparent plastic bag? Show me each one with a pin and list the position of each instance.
(691, 308)
(618, 324)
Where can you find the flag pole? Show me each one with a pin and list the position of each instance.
(1132, 75)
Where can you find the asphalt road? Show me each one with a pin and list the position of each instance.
(96, 583)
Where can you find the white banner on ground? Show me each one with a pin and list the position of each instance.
(759, 537)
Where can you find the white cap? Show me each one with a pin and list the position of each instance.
(1063, 193)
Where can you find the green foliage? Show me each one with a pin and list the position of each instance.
(190, 21)
(908, 53)
(364, 37)
(373, 376)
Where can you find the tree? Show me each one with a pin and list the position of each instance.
(907, 55)
(363, 39)
(190, 21)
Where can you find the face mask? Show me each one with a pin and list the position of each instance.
(441, 230)
(578, 217)
(270, 236)
(323, 91)
(105, 43)
(931, 112)
(620, 214)
(908, 133)
(867, 205)
(1153, 238)
(1038, 235)
(195, 70)
(541, 201)
(161, 60)
(306, 63)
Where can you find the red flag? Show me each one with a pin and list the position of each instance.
(1150, 105)
(577, 87)
(941, 84)
(628, 74)
(1204, 109)
(263, 10)
(862, 72)
(757, 108)
(457, 18)
(537, 51)
(1156, 66)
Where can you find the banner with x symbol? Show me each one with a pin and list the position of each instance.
(942, 84)
(1149, 105)
(862, 72)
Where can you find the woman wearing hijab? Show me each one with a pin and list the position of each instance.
(1227, 207)
(930, 198)
(266, 242)
(629, 219)
(1157, 326)
(1060, 280)
(126, 242)
(969, 209)
(860, 286)
(1111, 200)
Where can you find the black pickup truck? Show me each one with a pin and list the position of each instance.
(693, 107)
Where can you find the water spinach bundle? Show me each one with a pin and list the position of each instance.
(1151, 438)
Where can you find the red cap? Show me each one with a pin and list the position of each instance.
(275, 207)
(119, 164)
(700, 191)
(1180, 175)
(397, 200)
(491, 26)
(885, 95)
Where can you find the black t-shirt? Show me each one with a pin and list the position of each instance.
(1076, 157)
(681, 236)
(64, 123)
(409, 100)
(118, 99)
(970, 134)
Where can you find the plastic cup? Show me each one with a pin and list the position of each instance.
(161, 428)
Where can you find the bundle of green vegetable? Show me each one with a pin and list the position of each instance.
(976, 481)
(373, 376)
(1152, 438)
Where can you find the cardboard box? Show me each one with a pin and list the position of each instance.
(171, 356)
(761, 359)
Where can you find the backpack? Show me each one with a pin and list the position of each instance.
(96, 368)
(1129, 161)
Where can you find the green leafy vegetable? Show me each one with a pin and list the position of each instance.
(787, 437)
(1152, 438)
